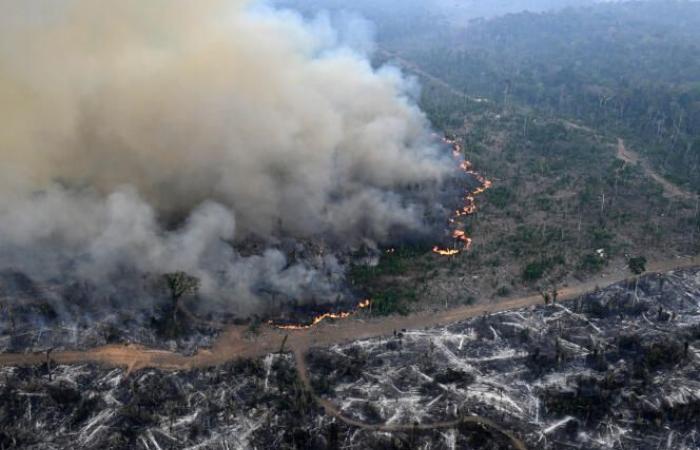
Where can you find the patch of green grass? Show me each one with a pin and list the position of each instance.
(394, 282)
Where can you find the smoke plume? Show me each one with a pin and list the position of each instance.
(156, 136)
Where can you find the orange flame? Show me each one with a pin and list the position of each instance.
(445, 252)
(364, 304)
(469, 207)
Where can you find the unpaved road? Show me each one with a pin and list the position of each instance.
(631, 157)
(234, 341)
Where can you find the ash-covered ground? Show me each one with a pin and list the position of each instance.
(616, 369)
(243, 405)
(78, 315)
(66, 313)
(249, 404)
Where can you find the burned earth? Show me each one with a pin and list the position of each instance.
(242, 405)
(78, 315)
(616, 368)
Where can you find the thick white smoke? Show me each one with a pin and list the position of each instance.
(120, 116)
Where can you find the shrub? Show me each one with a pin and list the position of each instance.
(591, 262)
(500, 196)
(387, 303)
(534, 270)
(503, 291)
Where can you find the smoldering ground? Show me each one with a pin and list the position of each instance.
(149, 137)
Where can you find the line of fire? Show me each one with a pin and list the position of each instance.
(462, 241)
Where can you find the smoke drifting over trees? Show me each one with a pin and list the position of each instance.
(227, 119)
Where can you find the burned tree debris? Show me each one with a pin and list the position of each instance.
(244, 404)
(617, 368)
(74, 315)
(612, 369)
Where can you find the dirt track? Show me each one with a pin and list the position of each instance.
(629, 156)
(235, 342)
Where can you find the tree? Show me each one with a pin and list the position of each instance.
(637, 265)
(180, 284)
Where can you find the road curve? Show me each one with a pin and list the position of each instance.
(671, 190)
(236, 342)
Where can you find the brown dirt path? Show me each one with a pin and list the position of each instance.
(235, 341)
(632, 157)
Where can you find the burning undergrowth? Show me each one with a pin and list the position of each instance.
(461, 239)
(244, 146)
(609, 370)
(77, 315)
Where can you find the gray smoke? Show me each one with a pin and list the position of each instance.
(157, 136)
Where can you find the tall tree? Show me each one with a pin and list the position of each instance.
(637, 265)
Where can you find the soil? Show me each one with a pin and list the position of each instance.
(237, 341)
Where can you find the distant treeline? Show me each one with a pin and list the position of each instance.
(629, 68)
(633, 68)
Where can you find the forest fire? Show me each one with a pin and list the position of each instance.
(461, 239)
(364, 304)
(445, 252)
(469, 207)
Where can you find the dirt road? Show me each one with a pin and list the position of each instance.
(235, 342)
(631, 157)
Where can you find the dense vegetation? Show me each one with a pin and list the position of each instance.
(632, 68)
(539, 99)
(557, 90)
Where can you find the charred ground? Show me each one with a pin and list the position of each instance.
(617, 367)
